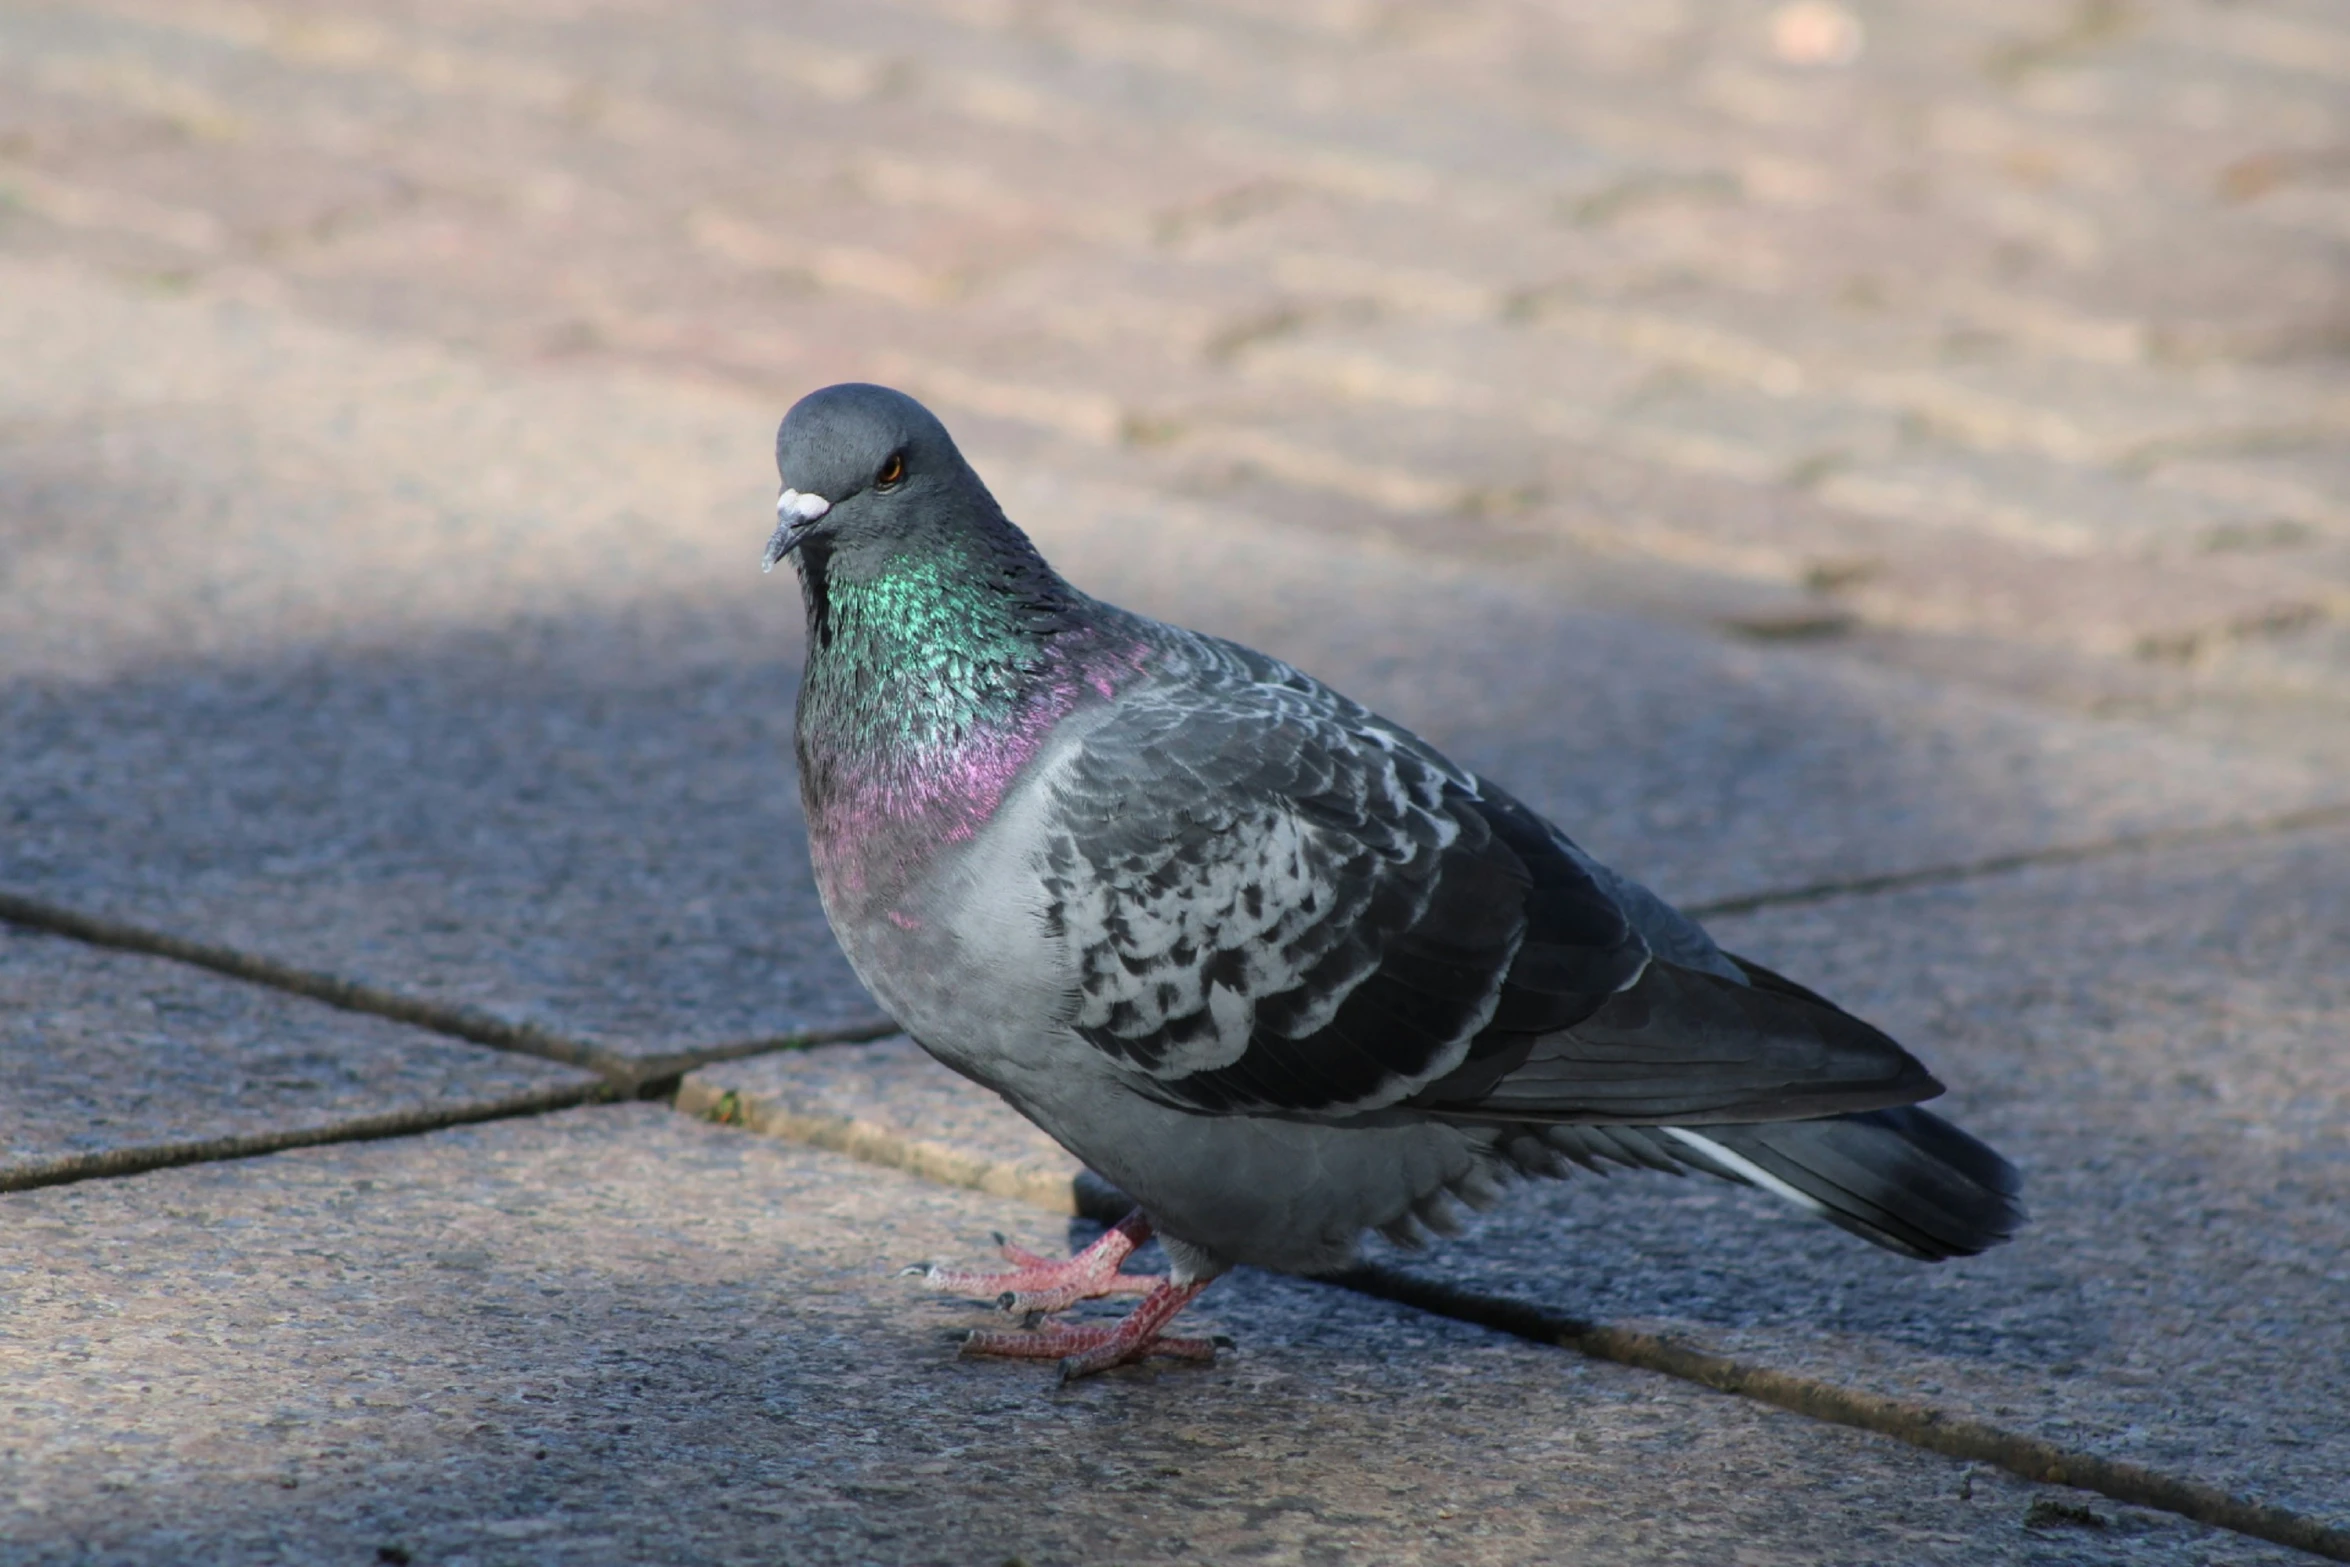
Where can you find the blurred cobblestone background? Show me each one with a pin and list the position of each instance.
(1984, 328)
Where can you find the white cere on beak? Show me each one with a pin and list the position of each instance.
(793, 511)
(807, 508)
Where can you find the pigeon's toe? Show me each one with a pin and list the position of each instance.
(1108, 1353)
(1082, 1351)
(1042, 1284)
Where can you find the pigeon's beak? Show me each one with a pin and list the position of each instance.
(793, 513)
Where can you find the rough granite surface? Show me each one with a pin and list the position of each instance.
(621, 1335)
(104, 1052)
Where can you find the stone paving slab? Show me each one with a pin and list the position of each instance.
(329, 649)
(106, 1055)
(2157, 1041)
(619, 1335)
(459, 681)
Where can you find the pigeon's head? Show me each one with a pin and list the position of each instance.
(868, 473)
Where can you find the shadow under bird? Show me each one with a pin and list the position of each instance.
(1264, 959)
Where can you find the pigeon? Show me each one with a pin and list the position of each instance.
(1265, 960)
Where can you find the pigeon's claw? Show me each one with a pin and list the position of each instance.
(1042, 1284)
(1082, 1351)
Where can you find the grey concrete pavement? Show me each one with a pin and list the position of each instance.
(619, 1335)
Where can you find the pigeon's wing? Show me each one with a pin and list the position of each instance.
(1280, 903)
(1682, 1047)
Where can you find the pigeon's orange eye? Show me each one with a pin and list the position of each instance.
(894, 469)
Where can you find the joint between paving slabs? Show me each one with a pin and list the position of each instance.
(630, 1076)
(2153, 842)
(139, 1160)
(1919, 1425)
(657, 1076)
(350, 995)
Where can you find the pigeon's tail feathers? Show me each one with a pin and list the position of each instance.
(1903, 1178)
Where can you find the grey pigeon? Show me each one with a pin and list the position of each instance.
(1266, 960)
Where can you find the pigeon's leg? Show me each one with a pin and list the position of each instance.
(1084, 1351)
(1040, 1284)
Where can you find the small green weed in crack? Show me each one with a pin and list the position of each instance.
(2046, 1512)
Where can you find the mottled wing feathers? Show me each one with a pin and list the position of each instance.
(1280, 903)
(1579, 948)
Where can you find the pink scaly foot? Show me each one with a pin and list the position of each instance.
(1041, 1284)
(1084, 1351)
